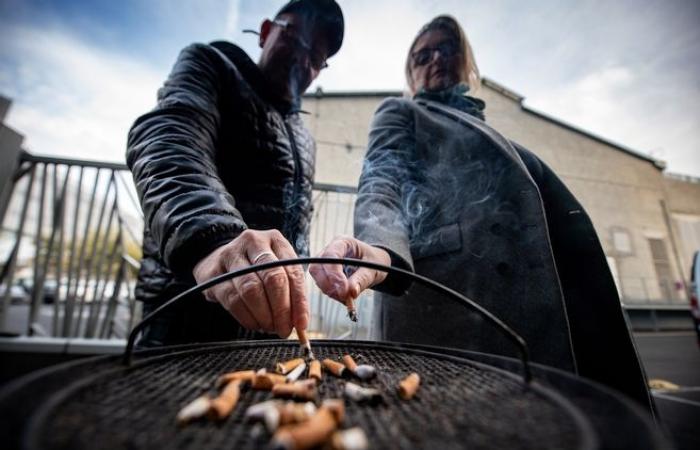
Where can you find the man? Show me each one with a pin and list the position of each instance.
(224, 171)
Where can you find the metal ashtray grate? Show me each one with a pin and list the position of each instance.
(461, 403)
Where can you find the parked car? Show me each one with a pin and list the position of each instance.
(695, 292)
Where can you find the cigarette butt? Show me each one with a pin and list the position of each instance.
(315, 370)
(350, 439)
(291, 412)
(264, 381)
(408, 386)
(305, 344)
(350, 363)
(222, 405)
(365, 372)
(317, 430)
(360, 394)
(352, 312)
(197, 408)
(296, 373)
(246, 376)
(287, 366)
(302, 390)
(334, 367)
(335, 406)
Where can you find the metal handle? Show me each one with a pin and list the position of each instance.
(507, 331)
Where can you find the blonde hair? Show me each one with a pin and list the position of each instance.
(469, 72)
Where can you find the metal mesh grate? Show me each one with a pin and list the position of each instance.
(460, 404)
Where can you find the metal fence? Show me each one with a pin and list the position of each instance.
(70, 245)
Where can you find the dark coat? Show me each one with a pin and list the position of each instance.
(452, 199)
(217, 155)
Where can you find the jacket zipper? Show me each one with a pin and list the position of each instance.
(297, 176)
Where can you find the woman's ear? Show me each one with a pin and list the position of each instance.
(265, 29)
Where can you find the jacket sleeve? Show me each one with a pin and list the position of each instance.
(171, 153)
(379, 212)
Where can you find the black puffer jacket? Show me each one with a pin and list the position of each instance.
(216, 156)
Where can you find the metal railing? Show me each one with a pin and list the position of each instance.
(66, 239)
(70, 245)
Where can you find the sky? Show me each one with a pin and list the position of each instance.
(80, 72)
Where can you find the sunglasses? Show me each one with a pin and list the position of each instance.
(423, 56)
(317, 61)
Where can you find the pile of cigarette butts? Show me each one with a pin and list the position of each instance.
(295, 416)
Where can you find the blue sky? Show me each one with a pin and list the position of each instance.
(79, 72)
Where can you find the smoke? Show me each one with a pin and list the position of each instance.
(418, 187)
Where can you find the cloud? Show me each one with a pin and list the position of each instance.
(73, 99)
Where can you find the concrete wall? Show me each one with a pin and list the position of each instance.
(623, 193)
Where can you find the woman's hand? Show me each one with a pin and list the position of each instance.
(332, 279)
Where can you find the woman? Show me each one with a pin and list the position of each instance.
(447, 196)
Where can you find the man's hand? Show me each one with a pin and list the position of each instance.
(331, 278)
(272, 300)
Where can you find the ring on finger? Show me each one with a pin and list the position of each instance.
(261, 255)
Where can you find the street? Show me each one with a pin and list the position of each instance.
(675, 358)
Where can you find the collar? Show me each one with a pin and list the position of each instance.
(455, 97)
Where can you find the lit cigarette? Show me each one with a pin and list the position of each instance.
(246, 376)
(264, 381)
(350, 439)
(334, 367)
(197, 408)
(352, 312)
(296, 373)
(315, 370)
(287, 366)
(361, 394)
(408, 386)
(317, 430)
(301, 390)
(305, 344)
(222, 405)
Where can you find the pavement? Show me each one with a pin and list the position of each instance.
(674, 359)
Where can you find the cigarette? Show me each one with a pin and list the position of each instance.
(305, 344)
(337, 407)
(352, 312)
(350, 439)
(334, 367)
(361, 394)
(301, 390)
(364, 372)
(315, 370)
(408, 386)
(197, 408)
(317, 430)
(292, 413)
(264, 381)
(222, 405)
(267, 411)
(287, 366)
(296, 373)
(350, 363)
(246, 376)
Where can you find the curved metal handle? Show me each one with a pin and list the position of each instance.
(507, 331)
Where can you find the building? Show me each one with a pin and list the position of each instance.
(648, 222)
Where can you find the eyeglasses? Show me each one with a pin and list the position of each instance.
(423, 56)
(317, 60)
